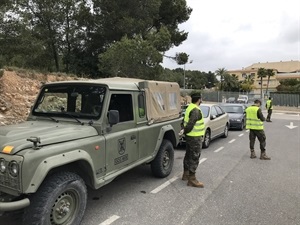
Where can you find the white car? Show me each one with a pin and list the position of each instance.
(216, 122)
(242, 99)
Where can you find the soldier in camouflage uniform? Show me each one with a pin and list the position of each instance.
(254, 122)
(194, 131)
(269, 107)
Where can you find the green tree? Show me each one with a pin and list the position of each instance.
(289, 86)
(221, 72)
(69, 35)
(181, 58)
(211, 79)
(131, 58)
(261, 73)
(52, 28)
(269, 73)
(230, 83)
(247, 84)
(153, 21)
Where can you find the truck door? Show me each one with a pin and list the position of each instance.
(121, 141)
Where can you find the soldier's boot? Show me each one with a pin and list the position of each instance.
(185, 175)
(264, 156)
(193, 182)
(252, 156)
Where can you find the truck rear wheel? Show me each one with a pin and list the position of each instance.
(61, 200)
(162, 165)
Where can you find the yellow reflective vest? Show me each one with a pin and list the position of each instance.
(199, 127)
(268, 103)
(252, 121)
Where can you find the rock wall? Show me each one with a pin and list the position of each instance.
(18, 92)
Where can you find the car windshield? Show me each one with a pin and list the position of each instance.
(233, 109)
(70, 101)
(205, 110)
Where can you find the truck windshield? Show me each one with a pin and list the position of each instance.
(78, 101)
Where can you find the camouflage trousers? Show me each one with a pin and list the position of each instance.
(269, 114)
(260, 134)
(192, 153)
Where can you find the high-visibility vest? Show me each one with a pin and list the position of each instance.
(268, 104)
(252, 121)
(199, 127)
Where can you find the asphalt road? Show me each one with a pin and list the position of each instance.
(238, 190)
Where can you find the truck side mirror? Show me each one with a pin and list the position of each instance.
(113, 117)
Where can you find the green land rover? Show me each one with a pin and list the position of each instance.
(85, 133)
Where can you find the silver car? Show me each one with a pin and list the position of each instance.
(216, 122)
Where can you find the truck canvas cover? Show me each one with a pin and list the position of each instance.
(162, 100)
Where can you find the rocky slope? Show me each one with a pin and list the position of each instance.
(18, 92)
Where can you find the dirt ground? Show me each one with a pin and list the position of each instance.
(18, 92)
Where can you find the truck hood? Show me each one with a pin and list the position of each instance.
(49, 133)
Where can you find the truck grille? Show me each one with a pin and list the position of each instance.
(10, 182)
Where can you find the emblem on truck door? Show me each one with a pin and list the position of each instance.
(122, 146)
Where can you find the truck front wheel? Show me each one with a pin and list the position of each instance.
(61, 200)
(162, 165)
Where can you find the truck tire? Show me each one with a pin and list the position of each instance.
(162, 165)
(60, 200)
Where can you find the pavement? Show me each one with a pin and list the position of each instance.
(285, 109)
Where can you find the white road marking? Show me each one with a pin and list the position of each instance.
(241, 135)
(167, 183)
(247, 130)
(219, 149)
(202, 160)
(233, 140)
(110, 220)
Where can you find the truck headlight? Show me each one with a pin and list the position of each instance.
(2, 166)
(13, 168)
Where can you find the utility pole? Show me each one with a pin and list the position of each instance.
(183, 76)
(191, 61)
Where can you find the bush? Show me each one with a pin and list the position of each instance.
(1, 72)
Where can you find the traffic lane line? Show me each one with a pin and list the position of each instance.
(110, 220)
(219, 149)
(231, 141)
(168, 182)
(202, 160)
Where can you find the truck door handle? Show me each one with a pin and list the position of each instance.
(133, 137)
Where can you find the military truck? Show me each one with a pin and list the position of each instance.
(83, 134)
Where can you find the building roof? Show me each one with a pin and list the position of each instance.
(281, 67)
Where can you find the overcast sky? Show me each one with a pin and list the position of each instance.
(233, 34)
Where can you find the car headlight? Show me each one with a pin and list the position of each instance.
(2, 166)
(13, 168)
